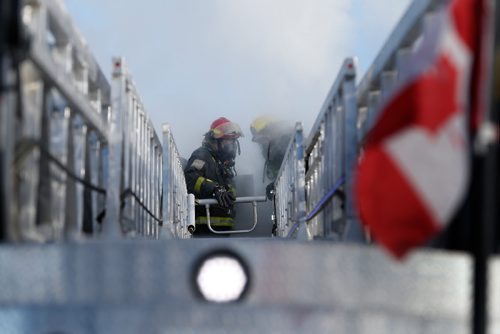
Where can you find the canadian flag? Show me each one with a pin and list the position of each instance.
(415, 170)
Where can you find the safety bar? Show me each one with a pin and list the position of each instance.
(249, 199)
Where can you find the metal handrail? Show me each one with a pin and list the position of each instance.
(248, 199)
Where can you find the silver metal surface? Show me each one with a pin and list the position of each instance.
(330, 153)
(177, 213)
(8, 105)
(61, 96)
(135, 157)
(116, 142)
(63, 183)
(293, 287)
(290, 206)
(131, 286)
(384, 73)
(57, 63)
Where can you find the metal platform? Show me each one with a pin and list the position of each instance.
(131, 287)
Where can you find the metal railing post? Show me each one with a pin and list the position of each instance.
(131, 196)
(176, 207)
(331, 152)
(290, 190)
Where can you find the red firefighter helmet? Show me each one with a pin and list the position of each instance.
(222, 128)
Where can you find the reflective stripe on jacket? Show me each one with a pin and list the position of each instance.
(215, 221)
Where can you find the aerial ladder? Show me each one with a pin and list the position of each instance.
(96, 220)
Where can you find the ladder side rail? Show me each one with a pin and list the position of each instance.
(26, 173)
(151, 191)
(134, 160)
(7, 106)
(61, 93)
(325, 157)
(129, 102)
(313, 179)
(332, 159)
(9, 41)
(167, 206)
(283, 196)
(77, 153)
(159, 188)
(94, 201)
(337, 219)
(383, 74)
(111, 227)
(154, 197)
(353, 230)
(382, 78)
(154, 200)
(74, 59)
(58, 52)
(142, 168)
(131, 176)
(147, 180)
(177, 212)
(59, 119)
(300, 184)
(290, 189)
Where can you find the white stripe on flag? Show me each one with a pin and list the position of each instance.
(440, 178)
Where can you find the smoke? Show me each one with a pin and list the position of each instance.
(194, 61)
(249, 58)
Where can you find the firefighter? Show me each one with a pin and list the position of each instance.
(273, 137)
(209, 173)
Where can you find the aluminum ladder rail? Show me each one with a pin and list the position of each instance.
(385, 72)
(330, 155)
(53, 130)
(289, 197)
(135, 163)
(178, 205)
(336, 139)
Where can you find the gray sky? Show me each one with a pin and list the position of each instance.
(196, 60)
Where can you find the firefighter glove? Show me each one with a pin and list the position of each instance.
(224, 198)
